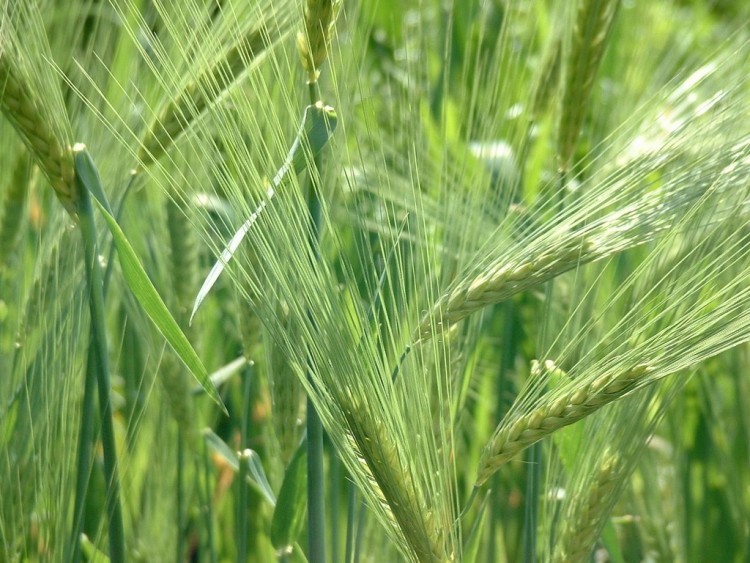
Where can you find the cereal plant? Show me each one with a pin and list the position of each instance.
(308, 280)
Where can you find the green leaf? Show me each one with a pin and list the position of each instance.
(256, 474)
(91, 552)
(137, 279)
(612, 543)
(290, 508)
(223, 374)
(318, 124)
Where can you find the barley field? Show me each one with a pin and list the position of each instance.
(348, 281)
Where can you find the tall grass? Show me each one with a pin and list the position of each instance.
(396, 286)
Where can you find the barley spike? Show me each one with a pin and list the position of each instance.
(313, 43)
(589, 510)
(513, 437)
(590, 35)
(404, 499)
(34, 124)
(499, 283)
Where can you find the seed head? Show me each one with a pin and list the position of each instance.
(314, 41)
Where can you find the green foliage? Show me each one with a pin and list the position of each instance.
(530, 226)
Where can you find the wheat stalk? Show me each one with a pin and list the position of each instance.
(589, 40)
(37, 128)
(210, 86)
(523, 431)
(588, 510)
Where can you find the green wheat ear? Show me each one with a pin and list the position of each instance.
(314, 42)
(36, 125)
(591, 34)
(211, 85)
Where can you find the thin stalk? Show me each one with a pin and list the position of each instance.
(180, 499)
(101, 364)
(335, 498)
(241, 516)
(209, 512)
(498, 500)
(83, 461)
(315, 490)
(360, 532)
(316, 515)
(351, 506)
(242, 486)
(531, 510)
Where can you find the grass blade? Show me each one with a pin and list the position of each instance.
(138, 280)
(289, 514)
(318, 124)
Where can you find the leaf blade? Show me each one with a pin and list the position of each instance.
(316, 128)
(138, 281)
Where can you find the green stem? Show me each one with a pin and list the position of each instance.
(242, 485)
(83, 462)
(315, 488)
(361, 522)
(498, 505)
(209, 511)
(101, 365)
(316, 515)
(241, 531)
(351, 507)
(180, 499)
(335, 481)
(531, 512)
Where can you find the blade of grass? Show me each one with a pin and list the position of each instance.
(138, 280)
(318, 124)
(289, 514)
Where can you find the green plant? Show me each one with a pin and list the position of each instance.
(524, 224)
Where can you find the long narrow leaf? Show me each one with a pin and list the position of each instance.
(289, 514)
(318, 124)
(139, 282)
(257, 476)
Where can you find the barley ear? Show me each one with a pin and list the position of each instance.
(313, 43)
(547, 80)
(500, 282)
(519, 433)
(584, 520)
(13, 208)
(181, 111)
(184, 260)
(287, 395)
(592, 29)
(391, 477)
(34, 123)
